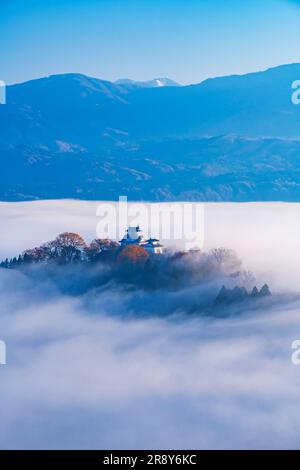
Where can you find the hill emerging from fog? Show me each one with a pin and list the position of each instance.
(226, 139)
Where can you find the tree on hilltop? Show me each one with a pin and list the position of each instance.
(67, 247)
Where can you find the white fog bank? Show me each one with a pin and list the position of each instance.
(76, 379)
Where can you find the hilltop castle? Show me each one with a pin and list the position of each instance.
(134, 236)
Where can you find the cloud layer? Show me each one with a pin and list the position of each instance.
(79, 378)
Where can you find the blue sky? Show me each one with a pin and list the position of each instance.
(185, 40)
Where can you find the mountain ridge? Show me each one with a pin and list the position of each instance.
(201, 137)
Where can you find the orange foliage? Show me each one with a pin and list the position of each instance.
(133, 254)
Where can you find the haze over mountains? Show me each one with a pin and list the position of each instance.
(232, 138)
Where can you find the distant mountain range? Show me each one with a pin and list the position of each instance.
(232, 138)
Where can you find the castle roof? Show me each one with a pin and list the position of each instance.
(153, 242)
(134, 235)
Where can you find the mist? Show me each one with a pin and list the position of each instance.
(82, 372)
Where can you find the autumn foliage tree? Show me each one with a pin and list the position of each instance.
(36, 255)
(133, 254)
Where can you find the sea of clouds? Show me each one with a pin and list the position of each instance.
(79, 374)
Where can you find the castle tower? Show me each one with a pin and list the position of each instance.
(134, 236)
